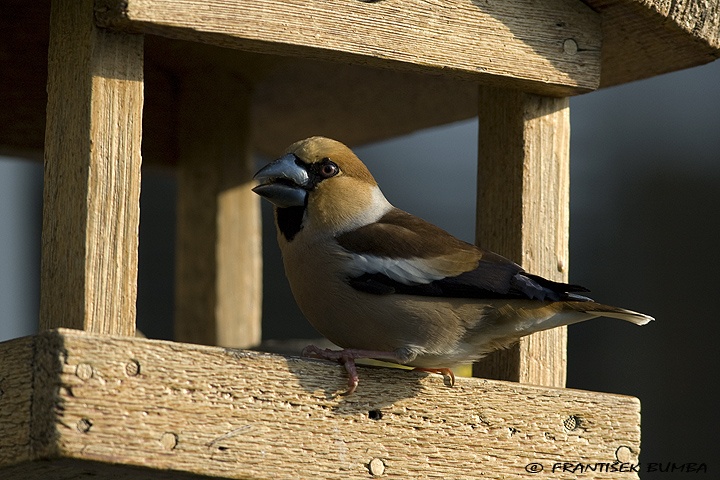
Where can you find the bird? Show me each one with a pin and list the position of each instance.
(384, 284)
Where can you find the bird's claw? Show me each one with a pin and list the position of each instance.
(445, 372)
(346, 357)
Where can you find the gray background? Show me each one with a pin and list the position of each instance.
(645, 219)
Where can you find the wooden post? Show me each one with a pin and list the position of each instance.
(523, 213)
(92, 174)
(219, 250)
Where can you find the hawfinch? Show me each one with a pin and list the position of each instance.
(384, 284)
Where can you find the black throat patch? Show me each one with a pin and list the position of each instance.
(289, 221)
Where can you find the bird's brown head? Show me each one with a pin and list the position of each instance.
(325, 181)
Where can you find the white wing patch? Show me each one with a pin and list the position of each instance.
(409, 271)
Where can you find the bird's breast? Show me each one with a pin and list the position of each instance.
(318, 272)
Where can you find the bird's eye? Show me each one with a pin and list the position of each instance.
(329, 169)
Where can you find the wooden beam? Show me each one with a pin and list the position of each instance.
(523, 213)
(645, 38)
(295, 98)
(640, 38)
(219, 239)
(551, 47)
(16, 394)
(92, 174)
(102, 403)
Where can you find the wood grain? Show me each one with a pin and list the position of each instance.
(644, 38)
(516, 43)
(641, 38)
(219, 244)
(523, 213)
(16, 390)
(297, 96)
(238, 414)
(92, 174)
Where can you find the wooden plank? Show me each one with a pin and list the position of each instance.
(644, 38)
(515, 43)
(296, 98)
(641, 38)
(699, 19)
(65, 469)
(523, 213)
(219, 238)
(16, 388)
(92, 174)
(239, 414)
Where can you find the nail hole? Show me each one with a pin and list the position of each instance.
(169, 440)
(376, 467)
(570, 46)
(132, 368)
(624, 454)
(572, 422)
(84, 425)
(84, 371)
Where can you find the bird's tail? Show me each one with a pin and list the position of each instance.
(568, 313)
(623, 314)
(518, 318)
(504, 324)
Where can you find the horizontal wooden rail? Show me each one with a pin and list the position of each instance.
(550, 47)
(91, 403)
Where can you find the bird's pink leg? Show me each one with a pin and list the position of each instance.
(347, 357)
(445, 372)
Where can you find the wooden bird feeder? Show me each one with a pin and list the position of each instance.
(198, 84)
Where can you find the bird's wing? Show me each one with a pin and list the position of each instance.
(401, 253)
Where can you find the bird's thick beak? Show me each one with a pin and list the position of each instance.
(283, 182)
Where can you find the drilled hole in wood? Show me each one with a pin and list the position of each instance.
(169, 440)
(84, 425)
(132, 368)
(572, 422)
(84, 371)
(376, 467)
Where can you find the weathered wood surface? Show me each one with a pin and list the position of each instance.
(239, 414)
(515, 43)
(296, 97)
(91, 199)
(16, 393)
(644, 38)
(219, 240)
(523, 213)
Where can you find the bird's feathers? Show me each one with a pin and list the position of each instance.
(316, 149)
(401, 253)
(371, 277)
